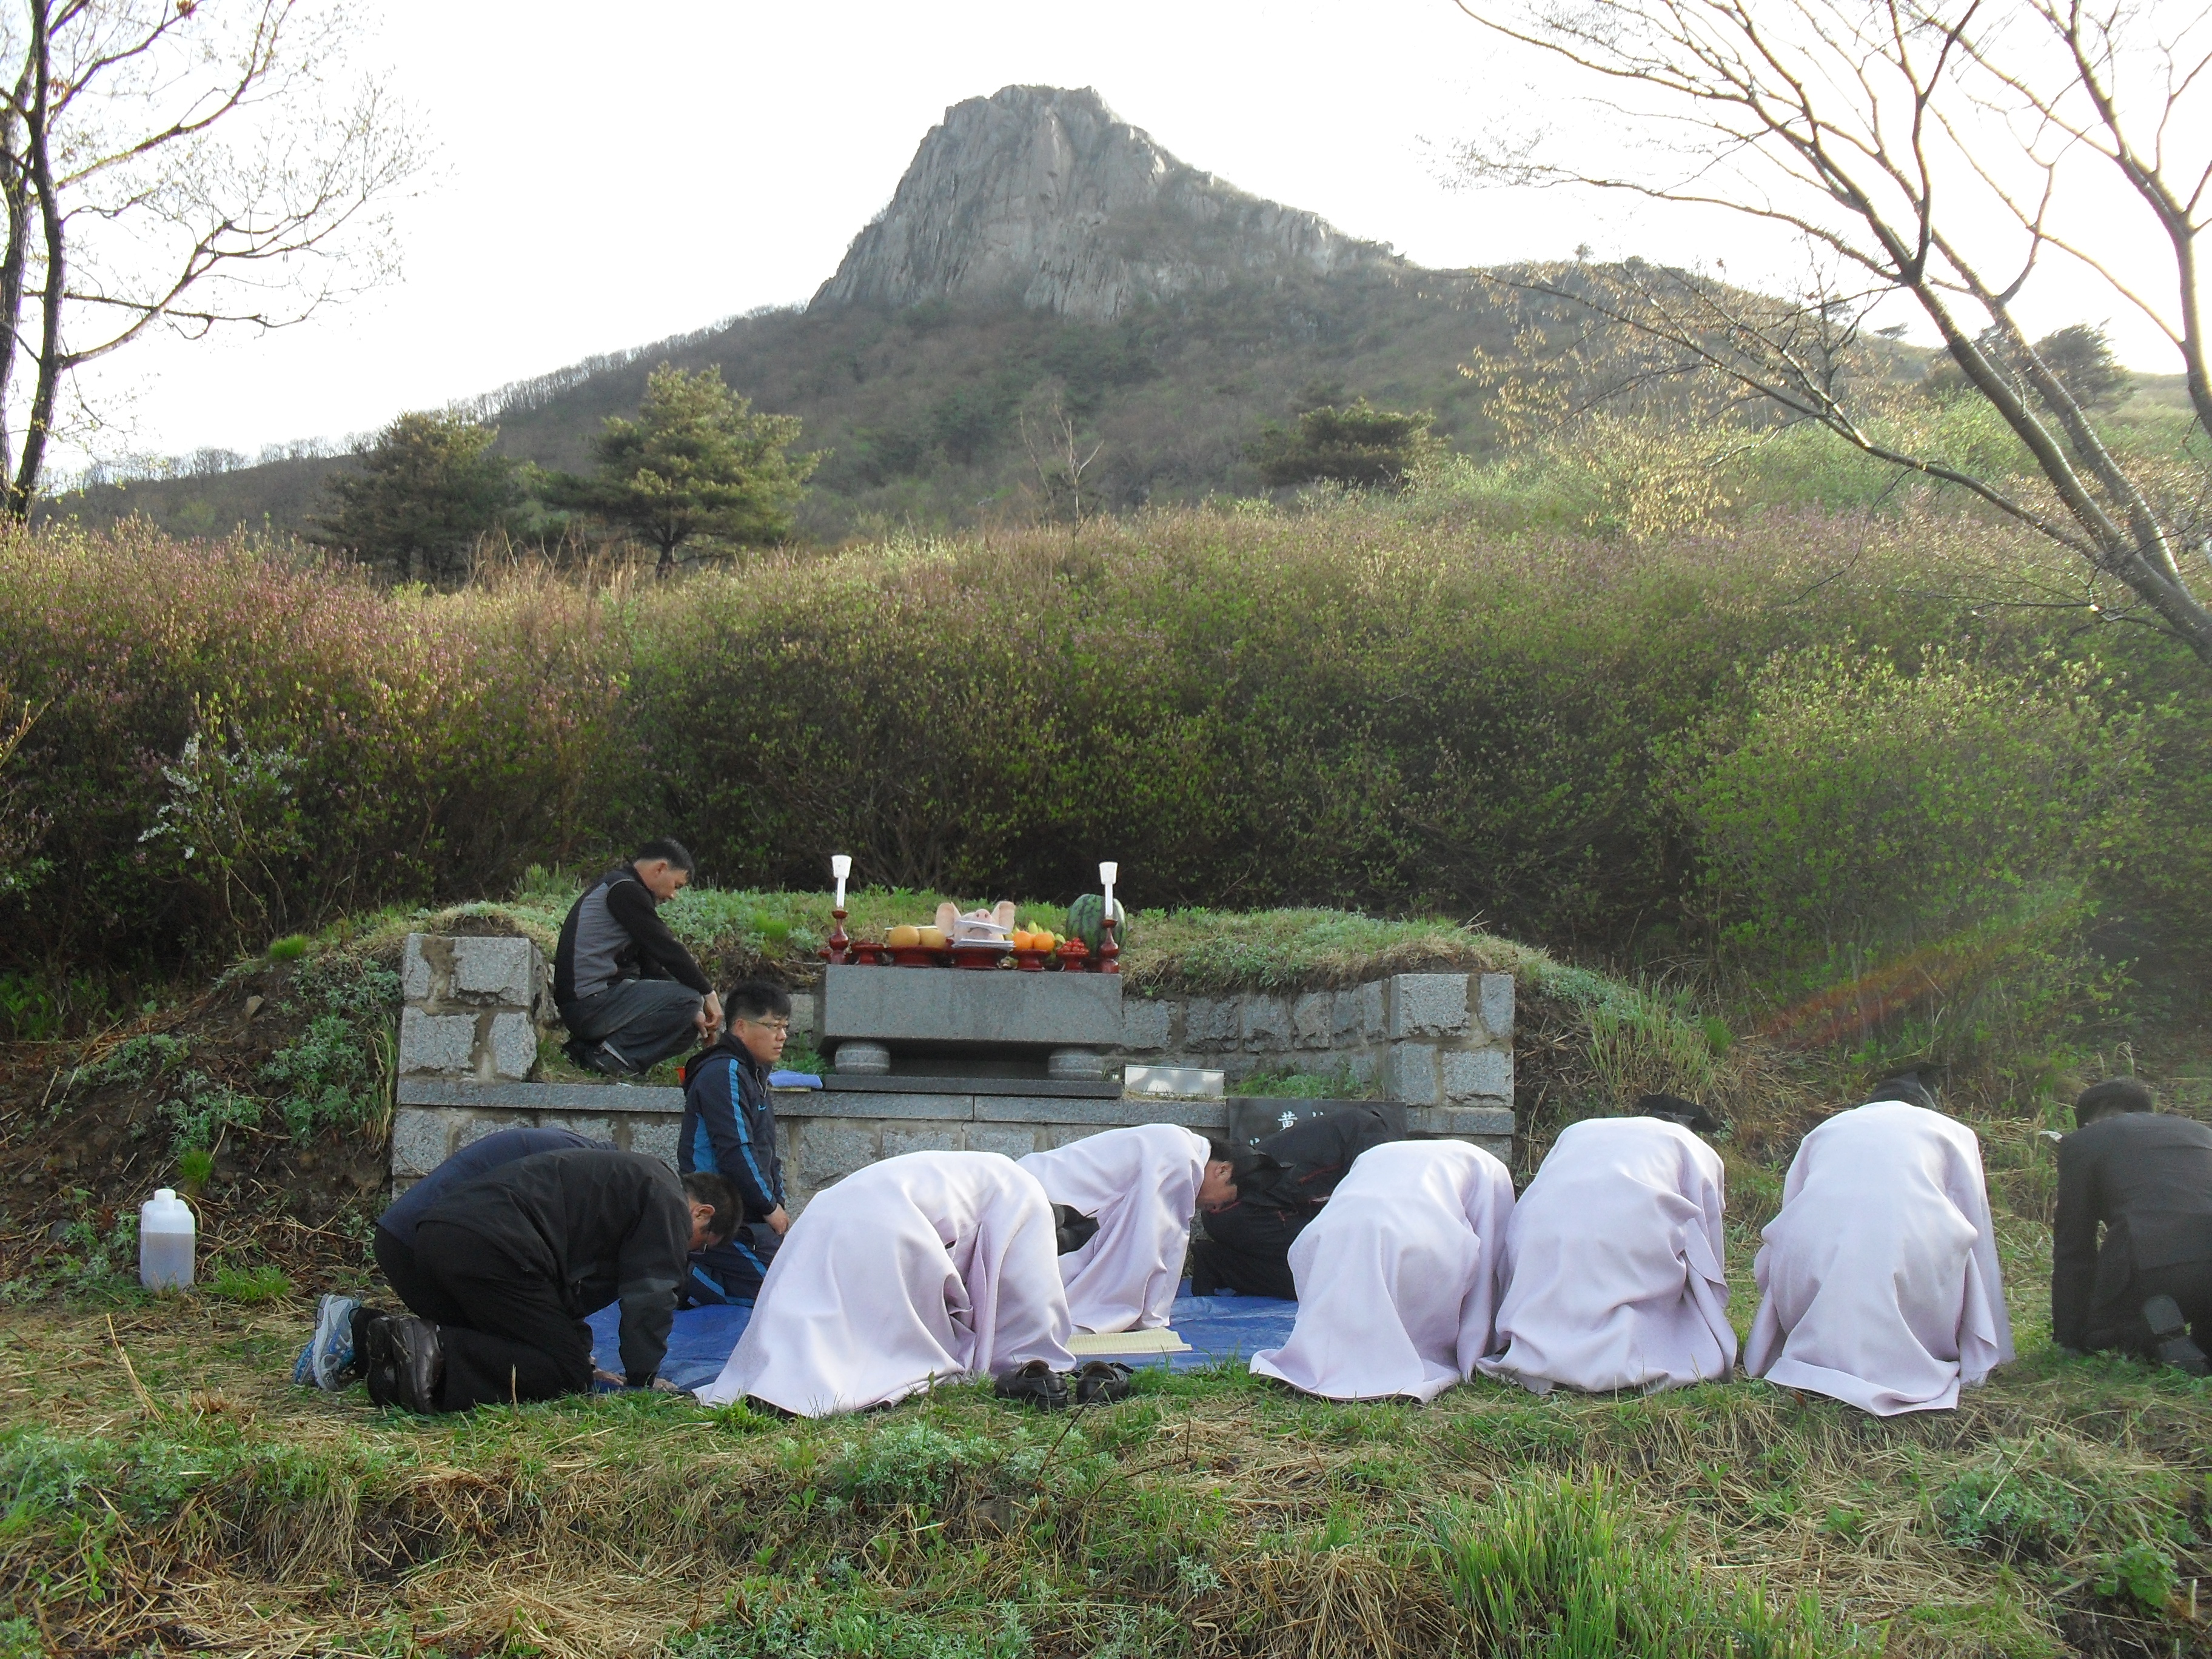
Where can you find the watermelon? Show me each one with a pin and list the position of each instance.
(1085, 915)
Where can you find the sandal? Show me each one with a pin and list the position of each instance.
(1037, 1384)
(1102, 1382)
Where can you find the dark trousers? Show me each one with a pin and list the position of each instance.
(646, 1020)
(415, 1289)
(513, 1341)
(731, 1272)
(1249, 1249)
(2117, 1321)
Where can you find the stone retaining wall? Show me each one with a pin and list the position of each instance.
(1439, 1046)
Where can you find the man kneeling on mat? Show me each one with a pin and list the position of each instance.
(512, 1262)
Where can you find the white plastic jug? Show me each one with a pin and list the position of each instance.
(166, 1241)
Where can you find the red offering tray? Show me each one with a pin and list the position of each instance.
(984, 956)
(1035, 961)
(916, 956)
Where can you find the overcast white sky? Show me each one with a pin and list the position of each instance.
(608, 176)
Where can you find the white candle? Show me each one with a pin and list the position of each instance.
(1106, 872)
(841, 866)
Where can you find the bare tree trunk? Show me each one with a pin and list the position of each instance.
(40, 423)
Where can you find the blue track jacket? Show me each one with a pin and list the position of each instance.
(729, 1127)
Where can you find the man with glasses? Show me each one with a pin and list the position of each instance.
(729, 1130)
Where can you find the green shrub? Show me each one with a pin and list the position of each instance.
(137, 1059)
(2142, 1573)
(199, 1109)
(2011, 1512)
(1917, 847)
(1392, 710)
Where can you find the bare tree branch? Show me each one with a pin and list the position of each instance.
(1885, 134)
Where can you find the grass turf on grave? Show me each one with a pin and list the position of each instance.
(162, 1483)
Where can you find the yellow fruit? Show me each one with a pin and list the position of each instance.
(903, 938)
(932, 939)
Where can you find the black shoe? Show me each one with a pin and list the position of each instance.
(418, 1362)
(1101, 1382)
(1037, 1384)
(371, 1347)
(578, 1054)
(2169, 1333)
(609, 1060)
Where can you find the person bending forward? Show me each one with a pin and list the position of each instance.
(1399, 1278)
(1280, 1185)
(1613, 1261)
(1142, 1185)
(925, 1268)
(2147, 1178)
(517, 1258)
(1878, 1280)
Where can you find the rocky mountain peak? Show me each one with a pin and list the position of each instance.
(1044, 196)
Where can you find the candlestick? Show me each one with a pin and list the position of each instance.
(1109, 952)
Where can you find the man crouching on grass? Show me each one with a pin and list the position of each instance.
(524, 1254)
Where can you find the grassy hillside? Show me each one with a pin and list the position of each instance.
(921, 411)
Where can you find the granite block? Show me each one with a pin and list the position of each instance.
(1469, 1073)
(1210, 1022)
(1412, 1074)
(1100, 1113)
(421, 1139)
(827, 1151)
(656, 1138)
(949, 1006)
(897, 1139)
(415, 976)
(503, 969)
(511, 1050)
(1144, 1026)
(540, 1096)
(1496, 995)
(1313, 1017)
(833, 1105)
(1012, 1141)
(1265, 1024)
(435, 1042)
(1427, 1005)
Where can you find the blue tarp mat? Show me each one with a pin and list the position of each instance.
(702, 1340)
(1218, 1328)
(1227, 1328)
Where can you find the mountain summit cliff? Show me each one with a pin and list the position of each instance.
(1045, 196)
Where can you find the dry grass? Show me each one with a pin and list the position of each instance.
(1211, 1515)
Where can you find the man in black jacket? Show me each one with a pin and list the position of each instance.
(1279, 1185)
(729, 1130)
(330, 1360)
(2147, 1178)
(522, 1254)
(629, 992)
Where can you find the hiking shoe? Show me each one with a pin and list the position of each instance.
(329, 1359)
(418, 1362)
(1037, 1384)
(1101, 1382)
(2170, 1332)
